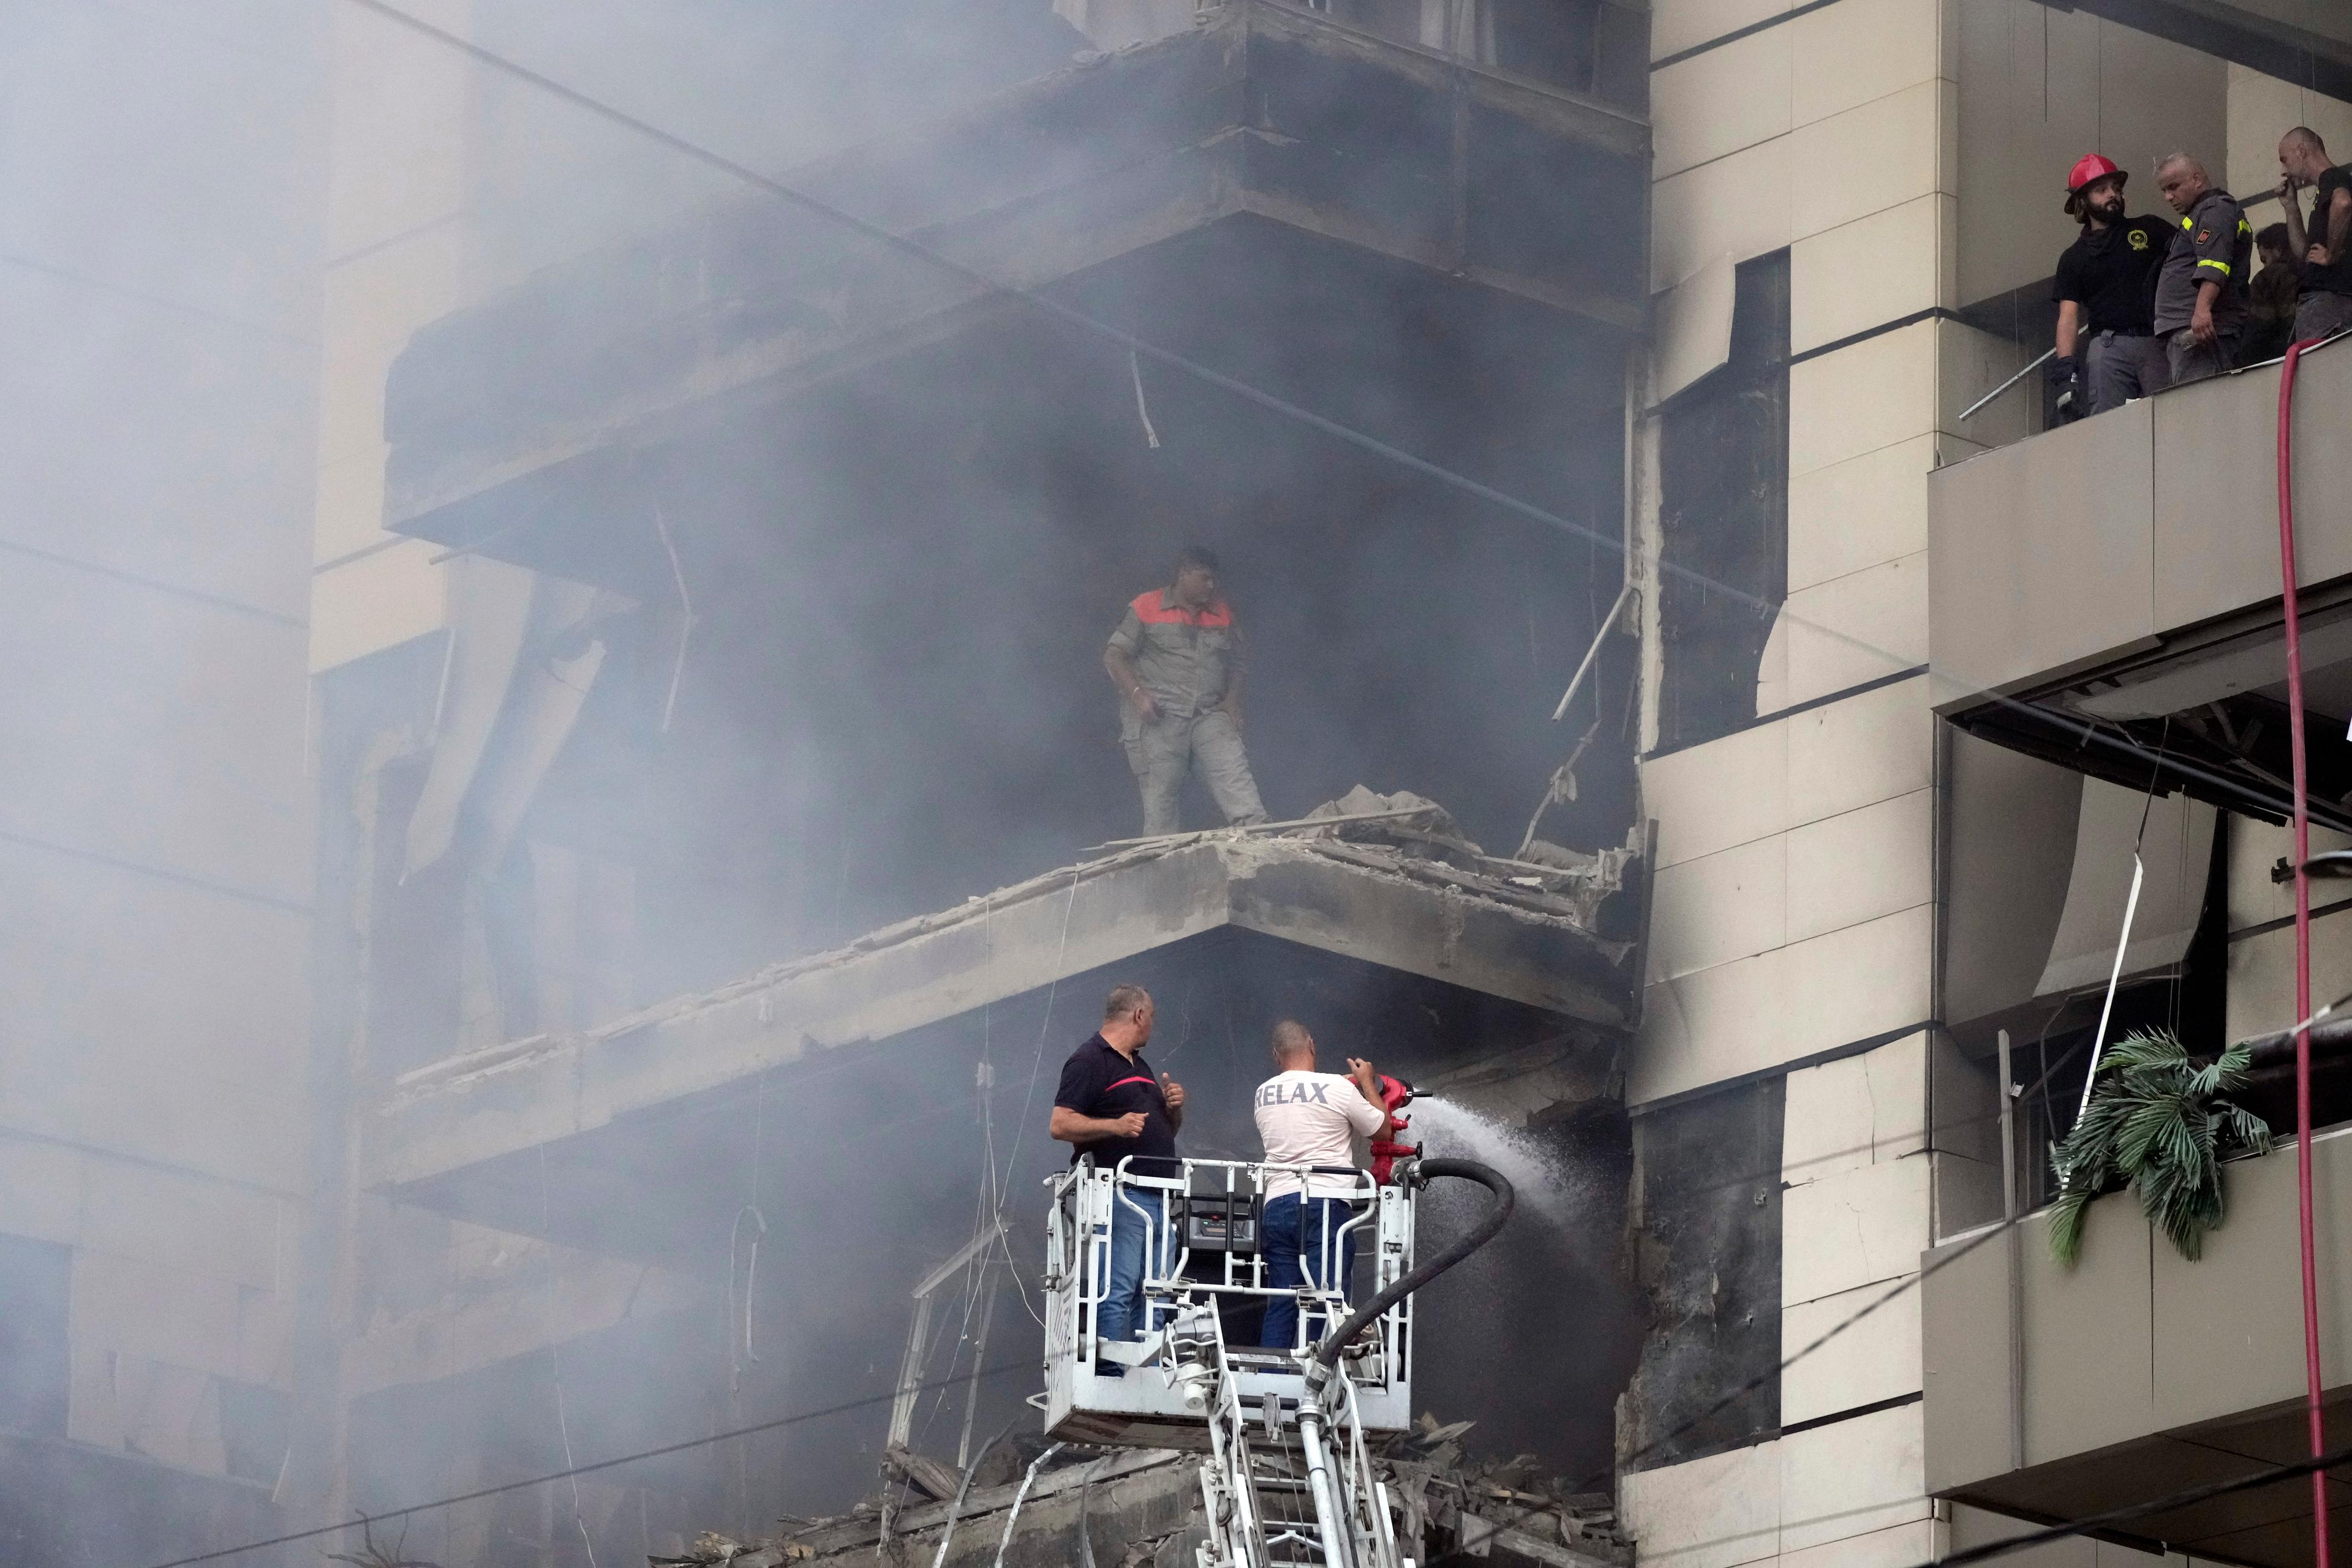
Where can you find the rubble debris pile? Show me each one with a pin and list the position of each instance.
(1134, 1508)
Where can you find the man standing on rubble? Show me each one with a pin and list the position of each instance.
(1111, 1107)
(2105, 291)
(2324, 246)
(1310, 1118)
(1176, 659)
(2200, 296)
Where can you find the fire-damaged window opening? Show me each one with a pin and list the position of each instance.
(1704, 1241)
(1723, 516)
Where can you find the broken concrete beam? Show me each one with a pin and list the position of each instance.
(1355, 901)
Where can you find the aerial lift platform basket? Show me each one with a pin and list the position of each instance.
(1287, 1473)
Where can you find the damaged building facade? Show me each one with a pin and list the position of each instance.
(717, 801)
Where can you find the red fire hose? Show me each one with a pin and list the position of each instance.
(2301, 946)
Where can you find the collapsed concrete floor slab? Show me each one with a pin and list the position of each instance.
(1128, 1507)
(1511, 954)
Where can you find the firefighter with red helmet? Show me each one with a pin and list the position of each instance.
(2108, 350)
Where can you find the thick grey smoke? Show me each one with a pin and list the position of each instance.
(243, 245)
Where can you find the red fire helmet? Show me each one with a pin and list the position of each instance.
(2088, 168)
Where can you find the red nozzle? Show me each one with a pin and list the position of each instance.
(1386, 1148)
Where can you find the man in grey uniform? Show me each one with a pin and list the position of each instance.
(1176, 659)
(2201, 295)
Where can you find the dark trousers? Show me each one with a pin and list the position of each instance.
(1303, 1246)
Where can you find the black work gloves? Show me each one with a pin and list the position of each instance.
(2065, 373)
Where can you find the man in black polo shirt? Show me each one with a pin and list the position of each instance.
(1110, 1107)
(2324, 246)
(2106, 294)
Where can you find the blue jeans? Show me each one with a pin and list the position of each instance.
(1296, 1236)
(1132, 1235)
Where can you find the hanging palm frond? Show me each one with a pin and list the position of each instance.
(2156, 1123)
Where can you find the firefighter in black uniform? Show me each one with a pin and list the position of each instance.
(2105, 292)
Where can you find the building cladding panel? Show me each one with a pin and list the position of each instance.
(1792, 777)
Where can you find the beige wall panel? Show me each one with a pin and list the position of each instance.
(403, 107)
(1852, 1478)
(2039, 87)
(1860, 512)
(1718, 102)
(1726, 791)
(157, 729)
(1865, 980)
(2157, 97)
(373, 305)
(1970, 364)
(179, 1221)
(1868, 159)
(40, 1185)
(96, 953)
(1898, 1546)
(1974, 1527)
(139, 1096)
(377, 602)
(2261, 109)
(1747, 1016)
(2250, 1281)
(1679, 25)
(1737, 207)
(1857, 628)
(164, 1314)
(1721, 907)
(1870, 1109)
(349, 511)
(352, 410)
(1711, 1025)
(1869, 747)
(2010, 822)
(1714, 1512)
(1857, 1228)
(1856, 866)
(2203, 570)
(1856, 51)
(264, 1330)
(1860, 399)
(2262, 973)
(1761, 782)
(1864, 274)
(1877, 1359)
(2254, 849)
(2093, 1328)
(2069, 508)
(164, 446)
(2174, 836)
(1964, 1344)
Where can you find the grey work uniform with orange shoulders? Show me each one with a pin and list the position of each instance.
(1186, 659)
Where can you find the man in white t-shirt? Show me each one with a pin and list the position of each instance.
(1310, 1118)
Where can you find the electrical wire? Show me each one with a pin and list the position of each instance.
(2086, 733)
(2083, 732)
(1964, 1248)
(568, 1473)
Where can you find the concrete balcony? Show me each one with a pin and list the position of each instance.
(2137, 1374)
(2109, 591)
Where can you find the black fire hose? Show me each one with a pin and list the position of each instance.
(1326, 1354)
